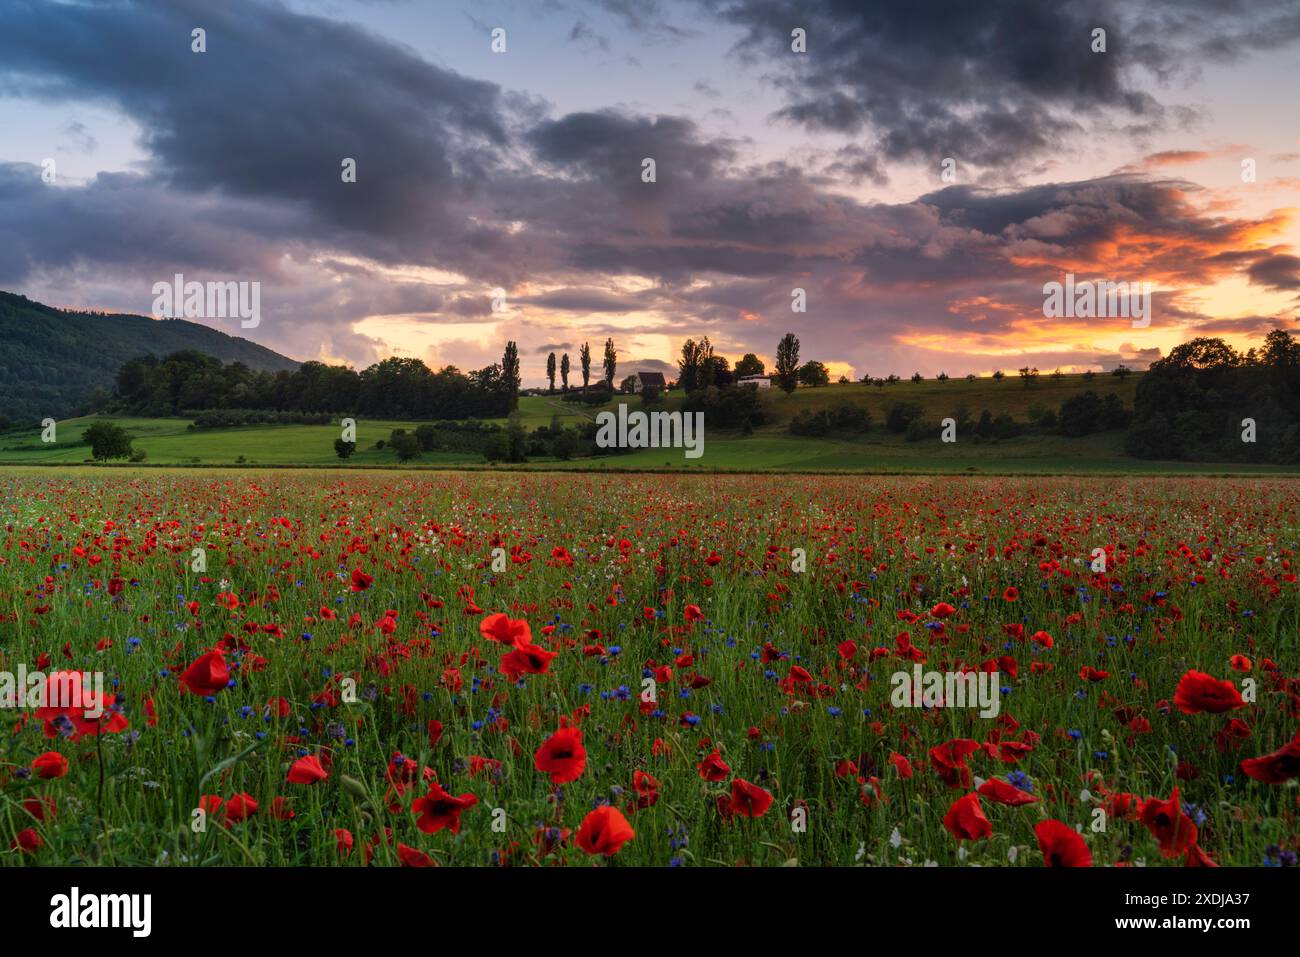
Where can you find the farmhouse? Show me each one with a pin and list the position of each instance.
(643, 380)
(757, 381)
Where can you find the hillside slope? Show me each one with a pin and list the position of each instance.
(1009, 396)
(52, 361)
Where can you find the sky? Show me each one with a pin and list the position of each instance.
(919, 170)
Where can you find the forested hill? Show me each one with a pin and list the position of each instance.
(52, 362)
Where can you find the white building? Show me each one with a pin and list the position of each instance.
(652, 380)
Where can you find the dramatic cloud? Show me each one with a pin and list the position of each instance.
(991, 81)
(1277, 272)
(272, 109)
(466, 186)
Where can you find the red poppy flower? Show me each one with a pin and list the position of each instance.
(1231, 737)
(1008, 752)
(1062, 845)
(207, 675)
(438, 810)
(646, 788)
(360, 580)
(41, 807)
(1199, 692)
(410, 857)
(713, 768)
(562, 756)
(211, 803)
(949, 761)
(1175, 831)
(748, 799)
(49, 765)
(509, 631)
(965, 819)
(999, 791)
(942, 610)
(27, 841)
(604, 831)
(307, 770)
(526, 660)
(1195, 857)
(901, 765)
(239, 808)
(1123, 805)
(72, 708)
(1281, 765)
(343, 841)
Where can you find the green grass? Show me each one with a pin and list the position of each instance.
(939, 399)
(285, 542)
(771, 447)
(171, 442)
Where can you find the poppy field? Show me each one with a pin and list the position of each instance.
(474, 669)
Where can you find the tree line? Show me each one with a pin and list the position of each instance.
(1204, 401)
(190, 381)
(610, 364)
(1207, 401)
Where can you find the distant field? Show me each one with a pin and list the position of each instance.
(938, 399)
(169, 442)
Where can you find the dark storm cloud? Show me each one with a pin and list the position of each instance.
(126, 222)
(271, 109)
(990, 82)
(1083, 209)
(857, 164)
(1258, 326)
(582, 300)
(1130, 356)
(471, 307)
(627, 367)
(242, 181)
(105, 243)
(1278, 272)
(611, 146)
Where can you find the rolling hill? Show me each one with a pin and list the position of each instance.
(54, 361)
(170, 441)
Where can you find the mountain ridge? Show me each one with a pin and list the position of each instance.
(53, 362)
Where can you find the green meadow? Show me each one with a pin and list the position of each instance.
(770, 448)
